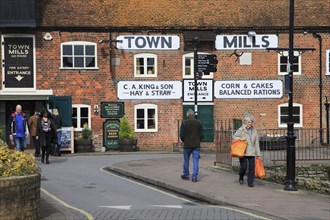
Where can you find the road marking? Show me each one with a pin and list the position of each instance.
(147, 186)
(126, 207)
(89, 216)
(168, 206)
(177, 197)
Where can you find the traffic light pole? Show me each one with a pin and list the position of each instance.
(290, 183)
(195, 44)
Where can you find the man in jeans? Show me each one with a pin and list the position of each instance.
(191, 134)
(19, 130)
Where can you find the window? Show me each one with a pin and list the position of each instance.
(327, 62)
(81, 117)
(283, 62)
(78, 55)
(145, 65)
(188, 67)
(283, 115)
(146, 118)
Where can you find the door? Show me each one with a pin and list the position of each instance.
(205, 115)
(64, 106)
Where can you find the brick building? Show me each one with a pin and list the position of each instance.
(76, 55)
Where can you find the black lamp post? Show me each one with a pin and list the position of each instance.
(195, 45)
(290, 183)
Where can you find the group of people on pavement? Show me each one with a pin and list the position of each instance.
(191, 134)
(44, 128)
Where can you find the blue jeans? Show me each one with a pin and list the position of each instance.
(195, 157)
(20, 143)
(243, 162)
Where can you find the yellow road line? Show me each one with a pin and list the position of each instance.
(89, 216)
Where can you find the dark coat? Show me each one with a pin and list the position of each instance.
(191, 132)
(43, 135)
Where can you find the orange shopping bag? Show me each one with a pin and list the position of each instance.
(259, 170)
(237, 148)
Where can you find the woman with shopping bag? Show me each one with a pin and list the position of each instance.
(249, 134)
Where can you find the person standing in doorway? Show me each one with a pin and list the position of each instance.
(33, 123)
(191, 134)
(58, 126)
(45, 133)
(19, 130)
(249, 134)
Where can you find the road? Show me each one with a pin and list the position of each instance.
(79, 185)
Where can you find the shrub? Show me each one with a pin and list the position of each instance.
(14, 163)
(2, 132)
(125, 130)
(86, 133)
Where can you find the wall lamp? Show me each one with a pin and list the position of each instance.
(252, 33)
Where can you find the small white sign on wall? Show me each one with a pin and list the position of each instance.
(148, 42)
(249, 89)
(149, 89)
(204, 90)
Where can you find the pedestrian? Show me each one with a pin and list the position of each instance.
(248, 133)
(58, 126)
(33, 123)
(191, 134)
(19, 130)
(45, 134)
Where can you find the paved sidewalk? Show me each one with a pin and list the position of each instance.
(222, 188)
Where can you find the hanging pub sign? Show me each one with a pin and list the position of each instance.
(112, 109)
(148, 42)
(111, 133)
(18, 61)
(246, 42)
(248, 89)
(149, 90)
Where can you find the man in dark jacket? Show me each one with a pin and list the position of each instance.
(19, 131)
(191, 134)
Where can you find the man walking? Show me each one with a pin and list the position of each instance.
(33, 123)
(19, 130)
(191, 134)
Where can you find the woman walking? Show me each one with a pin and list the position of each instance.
(45, 133)
(249, 134)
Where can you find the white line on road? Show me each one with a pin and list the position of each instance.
(125, 207)
(168, 206)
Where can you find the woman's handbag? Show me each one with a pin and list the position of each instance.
(259, 170)
(237, 148)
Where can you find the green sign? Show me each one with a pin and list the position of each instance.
(111, 133)
(112, 109)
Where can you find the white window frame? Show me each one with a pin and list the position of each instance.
(191, 76)
(145, 56)
(286, 53)
(281, 125)
(79, 43)
(146, 107)
(327, 62)
(79, 106)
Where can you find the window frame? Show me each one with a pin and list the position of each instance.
(146, 107)
(79, 106)
(327, 62)
(191, 57)
(286, 53)
(281, 125)
(79, 43)
(145, 56)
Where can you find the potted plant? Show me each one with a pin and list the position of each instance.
(84, 142)
(272, 142)
(127, 142)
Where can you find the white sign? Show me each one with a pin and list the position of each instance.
(252, 89)
(204, 90)
(148, 42)
(245, 42)
(149, 89)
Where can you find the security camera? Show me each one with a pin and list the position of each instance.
(48, 37)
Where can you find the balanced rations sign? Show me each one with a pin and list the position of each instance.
(252, 89)
(149, 90)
